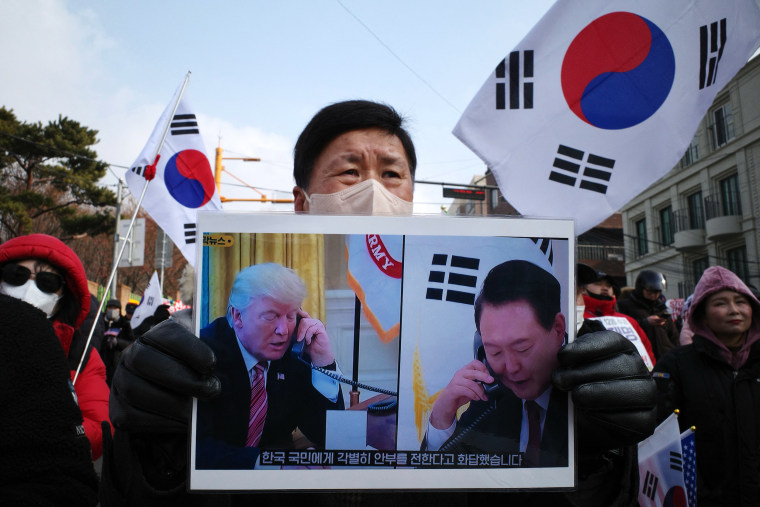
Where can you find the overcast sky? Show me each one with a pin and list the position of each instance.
(260, 70)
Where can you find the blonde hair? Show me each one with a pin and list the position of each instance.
(265, 280)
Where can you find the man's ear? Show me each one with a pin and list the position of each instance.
(559, 327)
(299, 199)
(237, 318)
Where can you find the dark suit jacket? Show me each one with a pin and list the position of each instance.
(292, 401)
(498, 430)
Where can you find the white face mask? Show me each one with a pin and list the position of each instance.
(369, 197)
(113, 314)
(30, 293)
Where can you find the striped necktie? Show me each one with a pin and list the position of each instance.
(258, 410)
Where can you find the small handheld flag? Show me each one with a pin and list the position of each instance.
(150, 301)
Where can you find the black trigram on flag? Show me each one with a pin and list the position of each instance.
(517, 68)
(650, 485)
(138, 170)
(545, 244)
(596, 173)
(191, 231)
(712, 40)
(184, 124)
(458, 287)
(676, 463)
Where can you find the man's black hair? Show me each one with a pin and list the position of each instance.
(339, 118)
(521, 281)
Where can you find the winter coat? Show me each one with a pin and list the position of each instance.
(91, 389)
(663, 338)
(718, 392)
(606, 308)
(44, 454)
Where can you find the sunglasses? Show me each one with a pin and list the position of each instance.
(46, 281)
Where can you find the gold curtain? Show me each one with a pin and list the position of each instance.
(304, 253)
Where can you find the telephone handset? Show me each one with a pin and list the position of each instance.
(494, 390)
(297, 352)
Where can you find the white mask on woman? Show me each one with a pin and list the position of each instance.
(30, 293)
(369, 197)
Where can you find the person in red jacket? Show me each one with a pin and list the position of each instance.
(42, 271)
(598, 291)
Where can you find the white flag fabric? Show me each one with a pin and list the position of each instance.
(438, 324)
(602, 98)
(151, 300)
(661, 465)
(374, 274)
(183, 183)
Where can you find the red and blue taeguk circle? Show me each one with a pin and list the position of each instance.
(188, 178)
(618, 71)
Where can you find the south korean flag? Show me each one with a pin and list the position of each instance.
(180, 182)
(602, 98)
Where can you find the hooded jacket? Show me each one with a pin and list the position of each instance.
(717, 392)
(91, 389)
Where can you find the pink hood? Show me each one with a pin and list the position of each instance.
(716, 279)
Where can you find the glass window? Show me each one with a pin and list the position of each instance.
(494, 197)
(737, 262)
(696, 211)
(723, 126)
(666, 226)
(641, 237)
(729, 194)
(692, 153)
(698, 266)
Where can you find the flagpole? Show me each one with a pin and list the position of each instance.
(131, 226)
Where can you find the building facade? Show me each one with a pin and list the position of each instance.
(704, 212)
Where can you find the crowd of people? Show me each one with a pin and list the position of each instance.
(356, 157)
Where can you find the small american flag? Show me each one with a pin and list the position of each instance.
(689, 450)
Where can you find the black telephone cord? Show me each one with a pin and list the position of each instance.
(353, 383)
(454, 440)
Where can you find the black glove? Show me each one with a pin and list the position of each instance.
(612, 389)
(158, 376)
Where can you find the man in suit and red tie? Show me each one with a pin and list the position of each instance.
(266, 392)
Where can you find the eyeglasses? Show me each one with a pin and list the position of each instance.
(46, 281)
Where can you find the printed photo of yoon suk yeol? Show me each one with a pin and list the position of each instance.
(482, 326)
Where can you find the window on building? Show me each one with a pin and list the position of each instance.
(729, 195)
(667, 230)
(692, 153)
(641, 237)
(723, 125)
(494, 197)
(696, 211)
(698, 266)
(737, 262)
